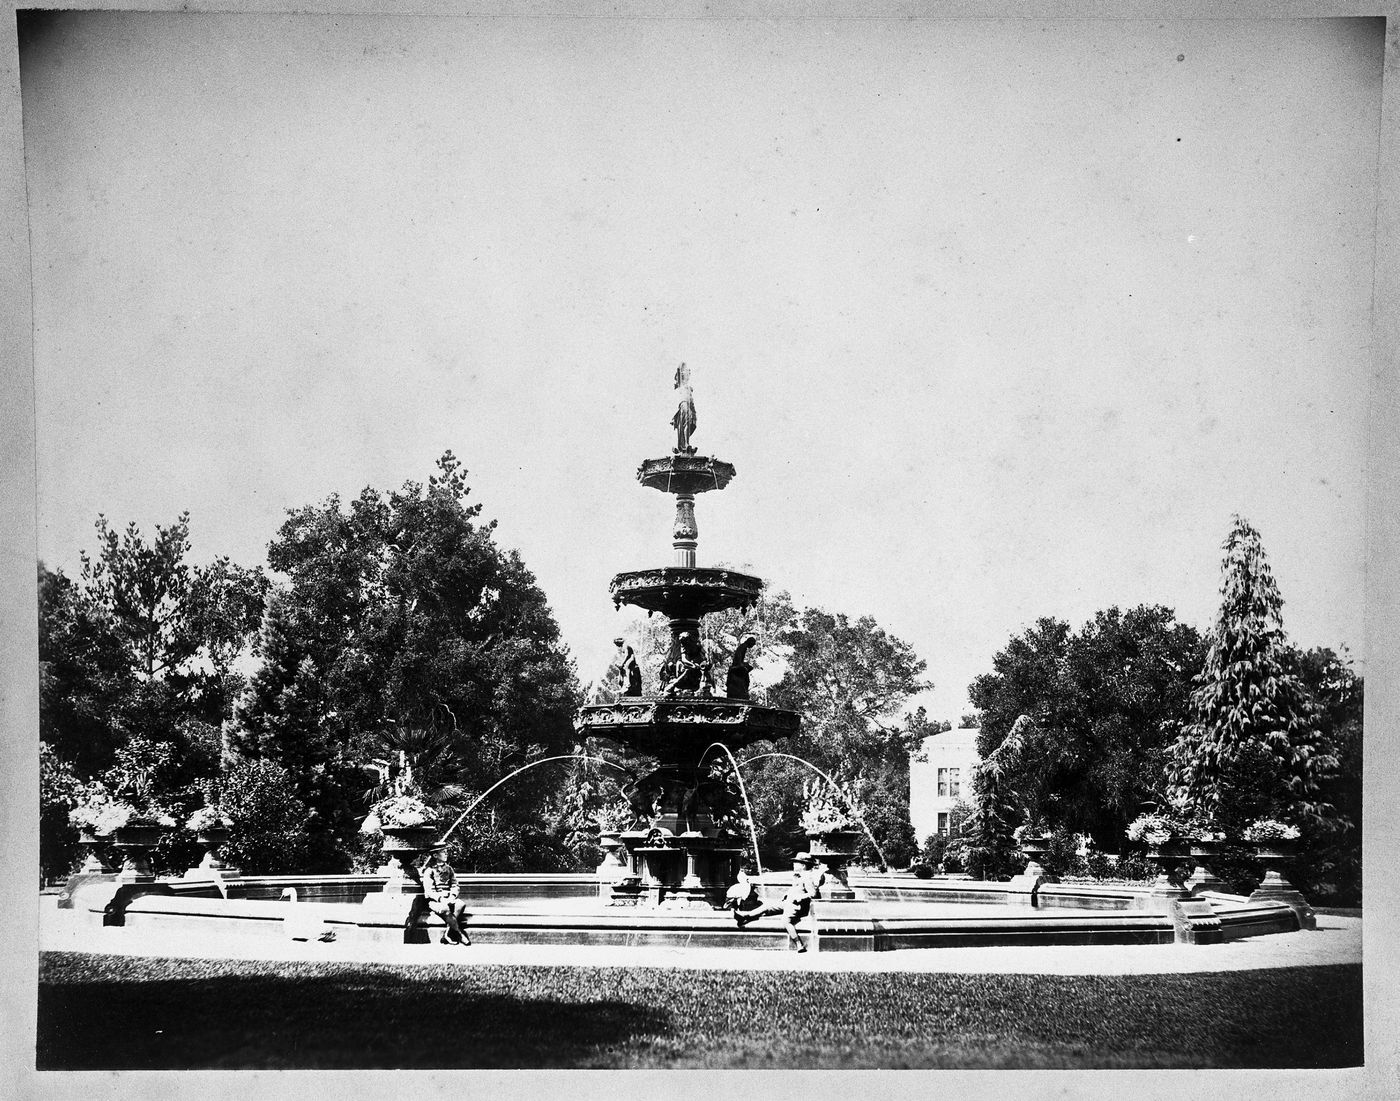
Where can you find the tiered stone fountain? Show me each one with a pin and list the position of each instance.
(666, 873)
(674, 854)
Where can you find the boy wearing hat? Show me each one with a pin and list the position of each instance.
(440, 893)
(797, 901)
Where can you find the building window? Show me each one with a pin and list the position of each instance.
(949, 784)
(943, 824)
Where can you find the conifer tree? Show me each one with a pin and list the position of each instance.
(986, 841)
(1253, 747)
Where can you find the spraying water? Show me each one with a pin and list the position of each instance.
(834, 784)
(748, 810)
(517, 772)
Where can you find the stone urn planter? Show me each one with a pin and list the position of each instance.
(93, 844)
(834, 843)
(1023, 889)
(1203, 851)
(833, 850)
(1274, 887)
(403, 845)
(212, 837)
(212, 866)
(136, 840)
(1274, 852)
(1169, 856)
(1034, 846)
(613, 866)
(93, 867)
(626, 888)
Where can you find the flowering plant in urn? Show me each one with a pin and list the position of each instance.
(830, 809)
(1270, 829)
(1157, 829)
(98, 812)
(397, 812)
(207, 818)
(101, 813)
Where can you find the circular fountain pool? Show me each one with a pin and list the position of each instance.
(891, 912)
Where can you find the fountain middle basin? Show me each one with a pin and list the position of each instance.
(891, 912)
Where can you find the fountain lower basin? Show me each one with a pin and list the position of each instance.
(891, 912)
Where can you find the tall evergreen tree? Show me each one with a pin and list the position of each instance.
(984, 841)
(1252, 748)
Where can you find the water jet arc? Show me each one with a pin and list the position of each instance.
(748, 808)
(542, 761)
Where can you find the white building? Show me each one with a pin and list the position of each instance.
(941, 780)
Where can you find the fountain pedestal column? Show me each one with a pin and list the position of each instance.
(686, 534)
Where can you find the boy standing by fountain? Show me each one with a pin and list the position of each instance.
(440, 893)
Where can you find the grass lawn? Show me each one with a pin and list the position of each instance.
(114, 1012)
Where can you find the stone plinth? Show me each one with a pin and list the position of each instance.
(1196, 922)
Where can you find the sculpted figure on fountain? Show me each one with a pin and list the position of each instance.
(736, 682)
(629, 673)
(686, 670)
(684, 420)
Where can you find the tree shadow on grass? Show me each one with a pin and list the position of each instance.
(353, 1018)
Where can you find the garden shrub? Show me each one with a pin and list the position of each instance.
(269, 834)
(1134, 866)
(485, 846)
(1063, 857)
(1098, 866)
(935, 848)
(58, 793)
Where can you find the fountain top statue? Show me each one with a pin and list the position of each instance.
(684, 419)
(683, 471)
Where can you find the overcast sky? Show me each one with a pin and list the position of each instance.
(996, 320)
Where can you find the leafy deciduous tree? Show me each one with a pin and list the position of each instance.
(850, 681)
(1101, 706)
(401, 610)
